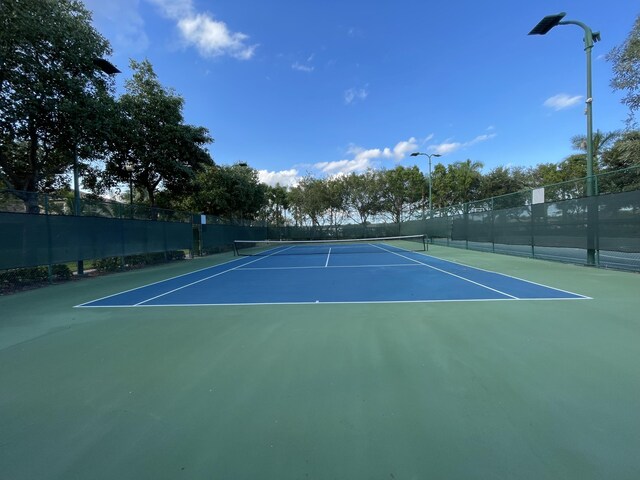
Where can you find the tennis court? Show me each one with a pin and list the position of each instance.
(353, 271)
(414, 364)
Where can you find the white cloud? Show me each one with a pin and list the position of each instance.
(286, 178)
(402, 149)
(562, 101)
(301, 67)
(450, 147)
(481, 138)
(210, 37)
(354, 94)
(342, 167)
(365, 158)
(445, 148)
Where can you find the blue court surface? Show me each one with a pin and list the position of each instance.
(333, 275)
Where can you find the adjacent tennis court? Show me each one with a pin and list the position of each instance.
(396, 269)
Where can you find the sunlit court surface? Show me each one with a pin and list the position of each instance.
(403, 363)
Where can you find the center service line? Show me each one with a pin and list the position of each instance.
(326, 264)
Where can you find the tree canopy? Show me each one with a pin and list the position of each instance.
(150, 140)
(51, 93)
(626, 70)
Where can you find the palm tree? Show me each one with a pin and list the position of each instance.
(601, 142)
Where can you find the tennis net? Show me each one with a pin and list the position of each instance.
(413, 243)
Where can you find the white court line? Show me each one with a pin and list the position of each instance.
(328, 255)
(449, 273)
(162, 281)
(310, 267)
(515, 278)
(365, 302)
(206, 278)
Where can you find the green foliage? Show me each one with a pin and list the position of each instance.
(52, 96)
(363, 195)
(503, 182)
(61, 272)
(457, 183)
(626, 70)
(151, 146)
(114, 264)
(104, 265)
(403, 190)
(20, 278)
(277, 203)
(231, 192)
(625, 153)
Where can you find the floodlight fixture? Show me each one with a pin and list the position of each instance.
(106, 66)
(547, 23)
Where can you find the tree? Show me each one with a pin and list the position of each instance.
(624, 155)
(232, 192)
(52, 95)
(363, 195)
(601, 142)
(314, 200)
(296, 201)
(277, 203)
(151, 138)
(626, 70)
(403, 190)
(335, 191)
(463, 181)
(504, 182)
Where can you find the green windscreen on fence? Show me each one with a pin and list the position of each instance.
(222, 236)
(609, 222)
(606, 222)
(32, 240)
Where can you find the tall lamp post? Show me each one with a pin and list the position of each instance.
(415, 154)
(590, 37)
(107, 67)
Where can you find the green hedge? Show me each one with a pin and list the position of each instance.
(113, 264)
(19, 278)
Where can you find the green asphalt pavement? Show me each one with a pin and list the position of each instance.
(454, 390)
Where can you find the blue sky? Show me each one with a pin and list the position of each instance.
(295, 87)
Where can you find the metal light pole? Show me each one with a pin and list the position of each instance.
(543, 27)
(415, 154)
(108, 68)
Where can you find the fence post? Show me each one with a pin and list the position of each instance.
(493, 220)
(465, 216)
(49, 240)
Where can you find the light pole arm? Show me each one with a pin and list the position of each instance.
(588, 34)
